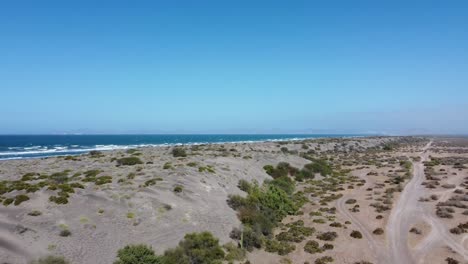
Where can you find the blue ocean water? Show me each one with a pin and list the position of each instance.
(34, 146)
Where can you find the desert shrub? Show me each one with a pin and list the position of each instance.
(297, 232)
(350, 201)
(179, 152)
(58, 199)
(450, 260)
(208, 168)
(59, 177)
(8, 201)
(282, 169)
(236, 201)
(129, 161)
(336, 224)
(247, 238)
(378, 231)
(356, 234)
(312, 247)
(244, 185)
(50, 260)
(324, 260)
(192, 164)
(195, 248)
(21, 198)
(77, 185)
(167, 166)
(284, 183)
(327, 236)
(319, 166)
(35, 213)
(233, 252)
(262, 209)
(103, 180)
(95, 153)
(65, 233)
(327, 246)
(178, 188)
(133, 254)
(91, 173)
(280, 247)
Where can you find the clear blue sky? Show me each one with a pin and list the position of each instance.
(233, 66)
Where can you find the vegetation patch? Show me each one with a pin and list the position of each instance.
(129, 161)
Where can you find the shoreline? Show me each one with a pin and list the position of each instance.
(107, 148)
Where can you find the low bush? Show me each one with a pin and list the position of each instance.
(327, 236)
(195, 248)
(178, 188)
(50, 260)
(129, 161)
(356, 234)
(280, 247)
(65, 233)
(179, 152)
(133, 254)
(35, 213)
(312, 247)
(324, 260)
(21, 198)
(378, 231)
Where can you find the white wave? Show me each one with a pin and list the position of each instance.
(57, 149)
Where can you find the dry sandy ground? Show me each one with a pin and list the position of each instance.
(104, 218)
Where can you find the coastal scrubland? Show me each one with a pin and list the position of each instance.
(336, 200)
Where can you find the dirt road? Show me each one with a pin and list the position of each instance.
(407, 212)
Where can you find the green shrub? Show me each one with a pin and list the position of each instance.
(196, 248)
(8, 201)
(233, 252)
(129, 161)
(50, 260)
(244, 185)
(179, 152)
(284, 183)
(280, 247)
(312, 247)
(21, 198)
(248, 239)
(58, 199)
(137, 254)
(281, 169)
(319, 166)
(167, 166)
(178, 188)
(324, 260)
(328, 236)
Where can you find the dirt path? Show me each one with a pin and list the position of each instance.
(405, 213)
(377, 248)
(409, 211)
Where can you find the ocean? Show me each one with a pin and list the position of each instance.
(36, 146)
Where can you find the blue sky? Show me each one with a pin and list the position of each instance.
(234, 66)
